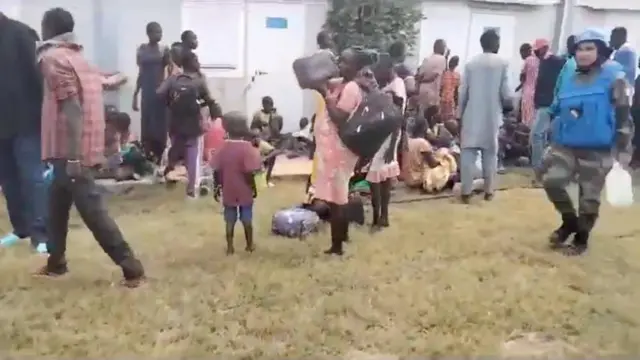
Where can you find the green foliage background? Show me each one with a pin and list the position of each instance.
(374, 24)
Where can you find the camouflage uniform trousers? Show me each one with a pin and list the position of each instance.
(589, 168)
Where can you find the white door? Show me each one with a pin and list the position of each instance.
(275, 38)
(450, 23)
(505, 26)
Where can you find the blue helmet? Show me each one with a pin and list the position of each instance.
(598, 37)
(593, 35)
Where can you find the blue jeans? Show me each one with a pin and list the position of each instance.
(233, 213)
(21, 178)
(539, 136)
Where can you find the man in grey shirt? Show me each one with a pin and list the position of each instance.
(484, 93)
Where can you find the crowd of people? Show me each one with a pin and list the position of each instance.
(456, 127)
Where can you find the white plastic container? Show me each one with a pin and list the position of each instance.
(619, 187)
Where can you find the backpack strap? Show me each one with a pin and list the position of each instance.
(183, 75)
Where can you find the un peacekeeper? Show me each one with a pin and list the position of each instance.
(591, 128)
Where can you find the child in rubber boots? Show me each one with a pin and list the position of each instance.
(235, 165)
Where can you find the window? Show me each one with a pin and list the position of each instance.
(219, 25)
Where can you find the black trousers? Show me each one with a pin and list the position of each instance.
(84, 193)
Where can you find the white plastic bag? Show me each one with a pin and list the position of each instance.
(619, 186)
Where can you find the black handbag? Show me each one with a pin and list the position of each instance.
(375, 119)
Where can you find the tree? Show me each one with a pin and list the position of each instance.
(374, 24)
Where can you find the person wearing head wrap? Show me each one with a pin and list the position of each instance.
(334, 162)
(591, 128)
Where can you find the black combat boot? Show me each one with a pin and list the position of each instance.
(561, 235)
(580, 241)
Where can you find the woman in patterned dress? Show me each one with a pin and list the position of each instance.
(449, 90)
(334, 162)
(528, 79)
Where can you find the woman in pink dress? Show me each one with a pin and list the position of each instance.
(335, 163)
(528, 79)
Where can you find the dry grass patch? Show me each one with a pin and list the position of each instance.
(446, 279)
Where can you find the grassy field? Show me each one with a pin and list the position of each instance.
(445, 279)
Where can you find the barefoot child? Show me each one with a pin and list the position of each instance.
(235, 165)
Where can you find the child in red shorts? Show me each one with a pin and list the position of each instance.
(235, 165)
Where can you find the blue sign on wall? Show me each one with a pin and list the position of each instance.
(276, 23)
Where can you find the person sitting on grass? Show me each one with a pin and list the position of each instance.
(116, 137)
(513, 141)
(267, 121)
(302, 140)
(453, 129)
(427, 168)
(440, 134)
(235, 165)
(125, 158)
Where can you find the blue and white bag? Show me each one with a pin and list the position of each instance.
(294, 222)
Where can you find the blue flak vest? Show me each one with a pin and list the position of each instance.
(585, 113)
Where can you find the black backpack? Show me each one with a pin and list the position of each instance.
(183, 97)
(375, 119)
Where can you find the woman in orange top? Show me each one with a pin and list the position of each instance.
(528, 77)
(449, 90)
